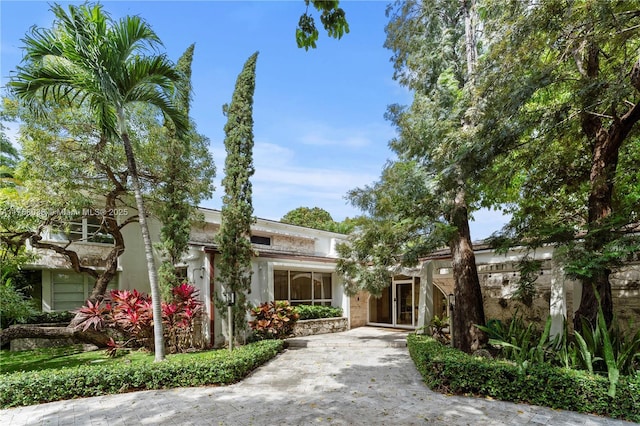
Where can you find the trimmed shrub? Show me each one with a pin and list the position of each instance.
(448, 370)
(317, 311)
(181, 370)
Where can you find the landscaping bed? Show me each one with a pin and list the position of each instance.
(219, 367)
(448, 370)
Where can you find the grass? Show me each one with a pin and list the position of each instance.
(62, 357)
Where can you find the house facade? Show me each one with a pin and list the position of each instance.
(297, 264)
(291, 263)
(416, 295)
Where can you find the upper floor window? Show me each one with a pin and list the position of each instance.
(258, 239)
(88, 229)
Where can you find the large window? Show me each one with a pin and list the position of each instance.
(302, 287)
(71, 290)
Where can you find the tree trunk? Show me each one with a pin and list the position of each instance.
(468, 309)
(605, 147)
(158, 336)
(603, 170)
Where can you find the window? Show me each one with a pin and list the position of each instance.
(71, 290)
(89, 229)
(302, 287)
(257, 239)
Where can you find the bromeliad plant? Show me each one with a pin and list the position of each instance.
(129, 315)
(273, 320)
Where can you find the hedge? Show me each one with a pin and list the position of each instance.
(317, 311)
(219, 367)
(448, 370)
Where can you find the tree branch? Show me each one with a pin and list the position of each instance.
(72, 256)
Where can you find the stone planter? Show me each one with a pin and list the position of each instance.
(319, 326)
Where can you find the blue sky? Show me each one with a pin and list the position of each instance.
(319, 127)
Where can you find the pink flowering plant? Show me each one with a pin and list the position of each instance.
(128, 317)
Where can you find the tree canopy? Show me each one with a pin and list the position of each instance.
(104, 65)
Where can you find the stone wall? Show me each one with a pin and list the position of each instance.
(320, 326)
(358, 309)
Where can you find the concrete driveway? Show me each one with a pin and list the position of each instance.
(360, 377)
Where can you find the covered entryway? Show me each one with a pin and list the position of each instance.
(398, 304)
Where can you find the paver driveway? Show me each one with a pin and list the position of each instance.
(360, 377)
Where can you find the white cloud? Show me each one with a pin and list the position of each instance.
(321, 134)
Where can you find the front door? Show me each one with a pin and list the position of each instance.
(398, 304)
(404, 303)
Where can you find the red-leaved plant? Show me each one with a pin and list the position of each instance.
(273, 320)
(130, 315)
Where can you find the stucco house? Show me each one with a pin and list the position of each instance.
(298, 264)
(291, 263)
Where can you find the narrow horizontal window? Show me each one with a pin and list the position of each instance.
(257, 239)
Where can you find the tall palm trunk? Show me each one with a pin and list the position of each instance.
(158, 337)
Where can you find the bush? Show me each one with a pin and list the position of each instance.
(273, 320)
(130, 314)
(219, 367)
(448, 370)
(15, 308)
(52, 317)
(317, 311)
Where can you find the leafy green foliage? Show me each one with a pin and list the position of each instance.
(106, 66)
(181, 370)
(273, 320)
(521, 343)
(187, 172)
(565, 128)
(525, 286)
(333, 19)
(233, 239)
(15, 307)
(436, 328)
(52, 317)
(306, 312)
(448, 370)
(596, 349)
(317, 218)
(9, 157)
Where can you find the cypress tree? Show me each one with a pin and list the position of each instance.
(233, 239)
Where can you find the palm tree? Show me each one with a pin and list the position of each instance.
(88, 58)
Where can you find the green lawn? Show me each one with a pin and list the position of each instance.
(68, 356)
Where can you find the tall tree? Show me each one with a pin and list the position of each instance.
(187, 171)
(568, 80)
(435, 55)
(88, 57)
(445, 112)
(233, 239)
